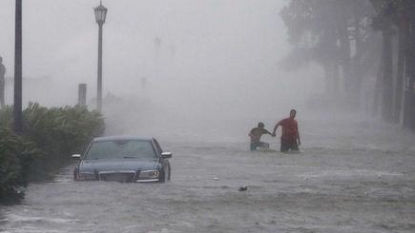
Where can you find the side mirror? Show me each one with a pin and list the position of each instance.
(166, 155)
(76, 156)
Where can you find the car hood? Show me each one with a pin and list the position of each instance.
(117, 165)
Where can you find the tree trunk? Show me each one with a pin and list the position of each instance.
(378, 92)
(332, 81)
(387, 80)
(345, 54)
(409, 111)
(400, 73)
(357, 63)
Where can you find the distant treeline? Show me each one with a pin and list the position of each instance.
(49, 137)
(366, 49)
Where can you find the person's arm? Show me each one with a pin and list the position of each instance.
(266, 132)
(275, 129)
(298, 134)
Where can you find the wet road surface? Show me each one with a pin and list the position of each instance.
(329, 187)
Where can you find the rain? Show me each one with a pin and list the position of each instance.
(198, 76)
(211, 56)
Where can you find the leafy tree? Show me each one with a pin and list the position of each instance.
(335, 34)
(395, 19)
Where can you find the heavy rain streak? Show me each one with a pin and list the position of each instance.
(199, 76)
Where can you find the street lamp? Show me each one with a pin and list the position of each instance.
(100, 14)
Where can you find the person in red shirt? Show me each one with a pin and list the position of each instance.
(290, 137)
(255, 134)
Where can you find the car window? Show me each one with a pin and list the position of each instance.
(121, 149)
(98, 150)
(158, 146)
(137, 149)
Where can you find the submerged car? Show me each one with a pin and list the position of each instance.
(123, 159)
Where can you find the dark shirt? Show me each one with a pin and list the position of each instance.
(256, 134)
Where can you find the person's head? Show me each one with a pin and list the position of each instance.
(293, 112)
(261, 125)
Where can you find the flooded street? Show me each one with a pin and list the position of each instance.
(198, 76)
(352, 176)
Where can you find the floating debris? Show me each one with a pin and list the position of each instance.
(243, 188)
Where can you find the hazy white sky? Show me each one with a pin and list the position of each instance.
(211, 51)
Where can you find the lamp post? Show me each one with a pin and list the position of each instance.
(100, 14)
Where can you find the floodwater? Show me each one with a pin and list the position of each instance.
(351, 176)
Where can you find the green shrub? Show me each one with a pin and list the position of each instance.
(6, 117)
(15, 157)
(59, 132)
(49, 137)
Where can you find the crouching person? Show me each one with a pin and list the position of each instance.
(255, 134)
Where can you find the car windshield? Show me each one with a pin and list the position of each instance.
(117, 149)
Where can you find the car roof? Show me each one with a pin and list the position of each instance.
(123, 137)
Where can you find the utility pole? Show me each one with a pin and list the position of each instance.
(17, 109)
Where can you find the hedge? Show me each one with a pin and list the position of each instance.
(49, 137)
